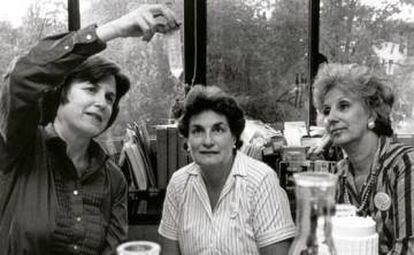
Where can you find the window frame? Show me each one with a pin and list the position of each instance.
(195, 42)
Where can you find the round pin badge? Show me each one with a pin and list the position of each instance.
(382, 201)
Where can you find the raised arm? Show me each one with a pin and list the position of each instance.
(34, 74)
(145, 21)
(45, 67)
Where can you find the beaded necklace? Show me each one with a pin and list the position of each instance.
(370, 184)
(365, 193)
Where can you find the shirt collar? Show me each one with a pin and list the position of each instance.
(98, 155)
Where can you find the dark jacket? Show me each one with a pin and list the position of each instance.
(45, 208)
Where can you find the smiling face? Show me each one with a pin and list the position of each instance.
(88, 108)
(210, 139)
(345, 117)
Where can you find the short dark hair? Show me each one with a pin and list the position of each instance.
(368, 84)
(93, 69)
(203, 98)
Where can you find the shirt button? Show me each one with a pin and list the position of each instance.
(75, 192)
(78, 219)
(88, 37)
(75, 247)
(66, 47)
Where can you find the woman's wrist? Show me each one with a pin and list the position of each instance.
(108, 31)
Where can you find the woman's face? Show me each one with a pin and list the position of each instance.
(210, 139)
(89, 107)
(345, 117)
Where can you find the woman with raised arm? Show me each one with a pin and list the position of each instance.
(59, 192)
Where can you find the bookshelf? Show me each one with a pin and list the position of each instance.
(148, 163)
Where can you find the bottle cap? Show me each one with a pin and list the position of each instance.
(353, 226)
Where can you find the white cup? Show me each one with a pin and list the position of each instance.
(138, 248)
(354, 235)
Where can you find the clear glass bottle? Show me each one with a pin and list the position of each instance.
(315, 205)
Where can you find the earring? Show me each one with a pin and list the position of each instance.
(234, 146)
(371, 125)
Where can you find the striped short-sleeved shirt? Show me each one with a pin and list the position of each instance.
(394, 173)
(252, 211)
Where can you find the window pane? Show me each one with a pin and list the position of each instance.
(257, 51)
(22, 23)
(377, 34)
(153, 88)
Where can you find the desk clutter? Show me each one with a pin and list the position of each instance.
(148, 163)
(149, 160)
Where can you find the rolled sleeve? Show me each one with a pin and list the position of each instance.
(273, 221)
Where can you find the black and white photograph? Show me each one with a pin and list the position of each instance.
(199, 127)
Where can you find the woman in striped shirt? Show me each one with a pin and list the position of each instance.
(377, 174)
(225, 202)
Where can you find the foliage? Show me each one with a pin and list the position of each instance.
(153, 89)
(257, 50)
(349, 29)
(256, 57)
(42, 18)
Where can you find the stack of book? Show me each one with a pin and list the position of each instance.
(170, 153)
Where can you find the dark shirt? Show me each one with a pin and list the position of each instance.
(45, 207)
(393, 172)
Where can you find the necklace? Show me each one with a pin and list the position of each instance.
(366, 189)
(365, 193)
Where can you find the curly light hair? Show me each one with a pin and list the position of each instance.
(369, 85)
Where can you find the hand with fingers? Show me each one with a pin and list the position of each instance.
(144, 21)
